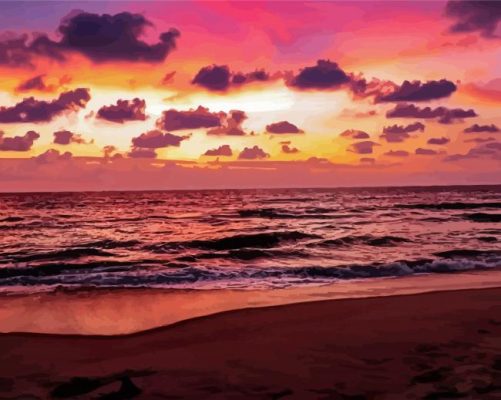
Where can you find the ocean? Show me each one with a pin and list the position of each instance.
(244, 239)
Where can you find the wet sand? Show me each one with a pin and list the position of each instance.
(425, 346)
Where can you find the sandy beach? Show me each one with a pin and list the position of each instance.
(425, 346)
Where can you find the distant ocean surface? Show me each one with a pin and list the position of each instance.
(244, 239)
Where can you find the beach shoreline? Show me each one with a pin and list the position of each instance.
(415, 345)
(124, 311)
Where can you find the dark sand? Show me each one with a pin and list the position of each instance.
(428, 346)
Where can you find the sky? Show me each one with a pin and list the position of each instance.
(196, 94)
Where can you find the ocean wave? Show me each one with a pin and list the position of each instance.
(272, 213)
(368, 240)
(483, 217)
(62, 254)
(255, 240)
(119, 275)
(450, 206)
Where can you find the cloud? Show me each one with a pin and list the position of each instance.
(368, 160)
(231, 124)
(282, 127)
(475, 128)
(439, 141)
(220, 78)
(35, 83)
(224, 150)
(65, 137)
(490, 150)
(173, 120)
(397, 153)
(425, 152)
(168, 78)
(324, 75)
(287, 149)
(354, 134)
(444, 115)
(252, 153)
(109, 150)
(418, 91)
(138, 152)
(398, 133)
(365, 147)
(157, 139)
(32, 110)
(475, 16)
(100, 38)
(481, 140)
(18, 143)
(123, 110)
(53, 155)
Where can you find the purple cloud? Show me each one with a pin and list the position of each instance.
(282, 127)
(100, 38)
(138, 152)
(438, 141)
(425, 152)
(444, 115)
(480, 140)
(490, 150)
(224, 150)
(32, 110)
(35, 83)
(324, 75)
(65, 137)
(354, 134)
(252, 153)
(123, 110)
(53, 155)
(397, 153)
(220, 78)
(398, 133)
(18, 143)
(417, 91)
(365, 147)
(157, 139)
(173, 120)
(475, 16)
(475, 128)
(231, 124)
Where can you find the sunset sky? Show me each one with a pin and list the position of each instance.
(157, 95)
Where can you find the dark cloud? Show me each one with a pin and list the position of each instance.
(397, 153)
(475, 128)
(475, 16)
(53, 155)
(365, 147)
(425, 152)
(444, 115)
(324, 75)
(32, 110)
(224, 150)
(354, 134)
(100, 38)
(65, 137)
(220, 78)
(253, 153)
(124, 110)
(288, 149)
(173, 120)
(439, 141)
(418, 91)
(157, 139)
(35, 83)
(18, 143)
(490, 150)
(241, 78)
(168, 78)
(109, 150)
(138, 152)
(283, 127)
(398, 133)
(231, 124)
